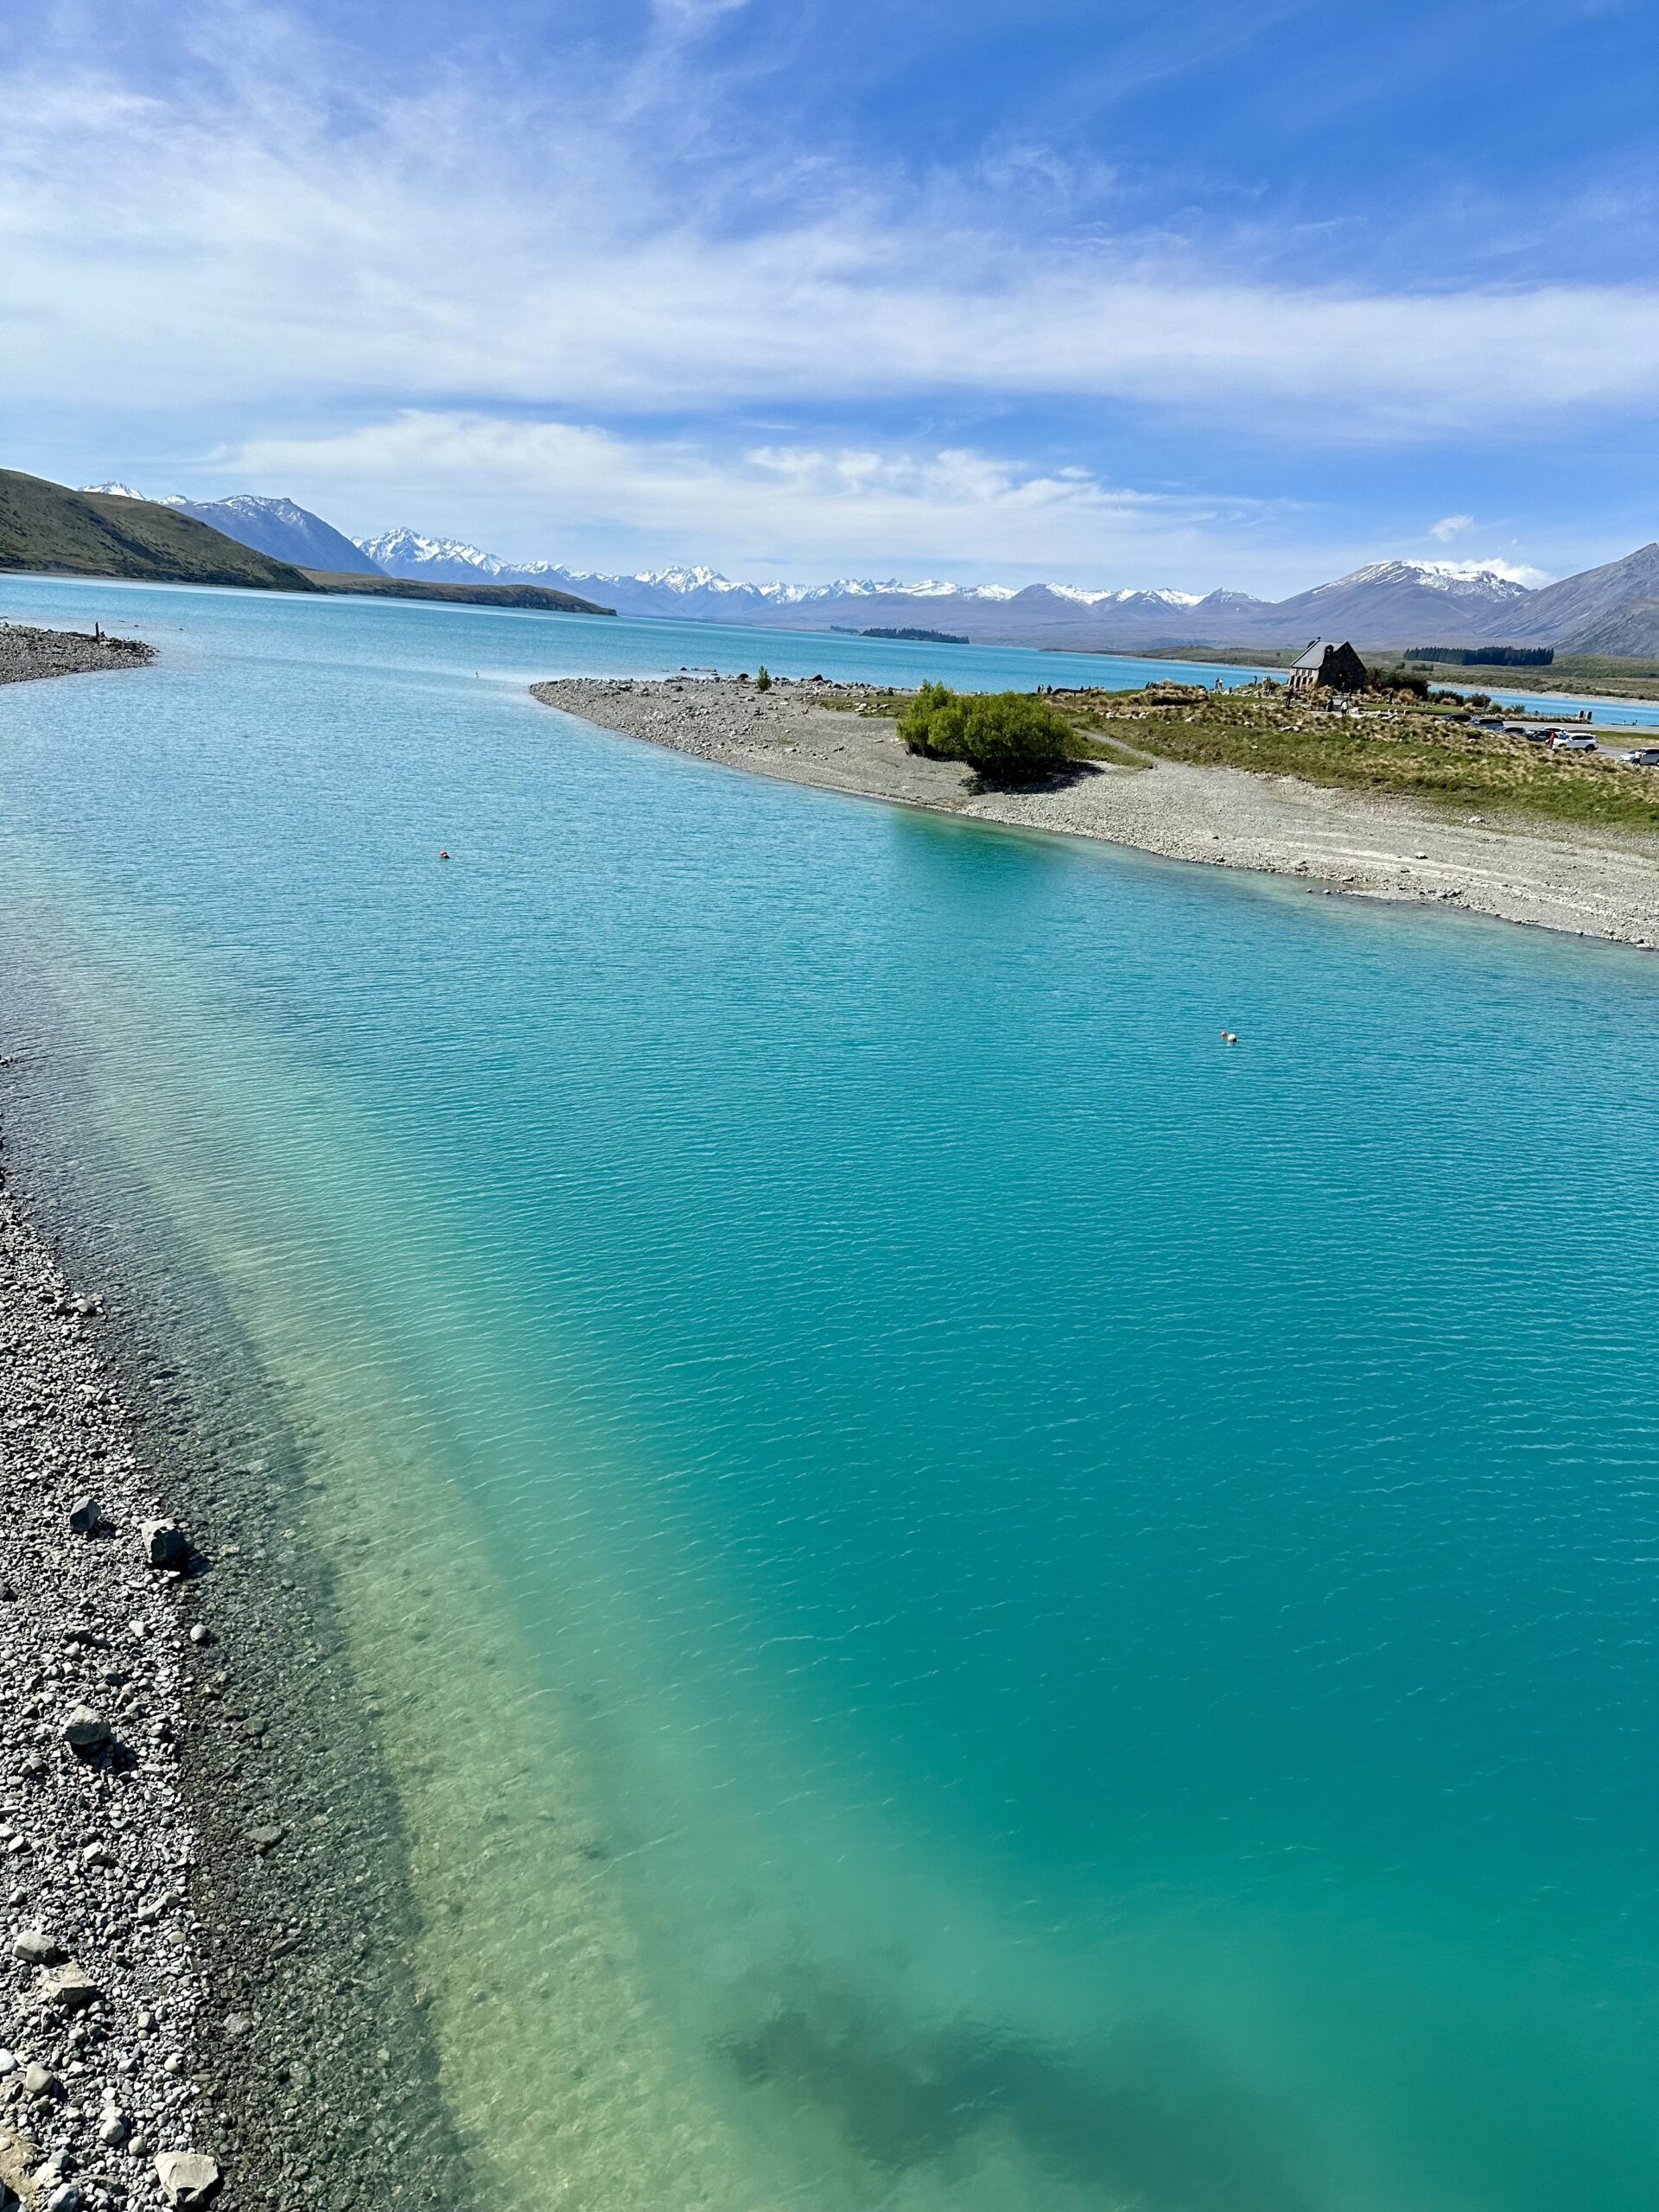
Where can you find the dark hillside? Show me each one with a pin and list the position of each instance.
(537, 597)
(50, 528)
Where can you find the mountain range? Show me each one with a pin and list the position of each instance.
(1610, 609)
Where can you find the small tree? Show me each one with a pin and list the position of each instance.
(763, 682)
(1008, 737)
(916, 723)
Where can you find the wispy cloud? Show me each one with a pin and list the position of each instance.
(253, 242)
(1450, 526)
(791, 508)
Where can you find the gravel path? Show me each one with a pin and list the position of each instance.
(26, 653)
(1589, 883)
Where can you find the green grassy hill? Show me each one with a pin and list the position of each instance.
(538, 597)
(51, 530)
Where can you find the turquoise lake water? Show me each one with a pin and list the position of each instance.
(978, 1600)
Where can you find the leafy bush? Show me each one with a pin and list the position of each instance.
(763, 682)
(1008, 737)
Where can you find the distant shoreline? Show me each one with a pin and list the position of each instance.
(1581, 882)
(1598, 678)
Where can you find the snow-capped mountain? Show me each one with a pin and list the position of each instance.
(1388, 602)
(1466, 580)
(282, 528)
(434, 560)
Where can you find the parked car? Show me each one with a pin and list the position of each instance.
(1646, 756)
(1566, 740)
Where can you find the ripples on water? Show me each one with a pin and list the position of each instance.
(978, 1600)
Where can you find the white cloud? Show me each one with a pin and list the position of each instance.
(1515, 572)
(1449, 526)
(556, 489)
(265, 242)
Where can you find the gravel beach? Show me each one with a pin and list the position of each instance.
(26, 653)
(1588, 883)
(205, 1992)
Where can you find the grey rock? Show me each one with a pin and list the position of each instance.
(266, 1836)
(165, 1544)
(187, 2178)
(85, 1515)
(112, 2130)
(68, 1989)
(36, 1946)
(65, 2197)
(40, 2082)
(18, 2159)
(86, 1731)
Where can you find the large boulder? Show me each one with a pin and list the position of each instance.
(165, 1544)
(87, 1733)
(18, 2159)
(68, 1988)
(187, 2178)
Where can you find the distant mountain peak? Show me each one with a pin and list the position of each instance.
(1457, 579)
(405, 552)
(117, 491)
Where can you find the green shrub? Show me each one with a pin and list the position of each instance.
(916, 723)
(763, 682)
(1008, 737)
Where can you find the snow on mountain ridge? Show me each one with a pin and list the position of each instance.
(1457, 579)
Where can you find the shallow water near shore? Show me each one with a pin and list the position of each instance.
(973, 1598)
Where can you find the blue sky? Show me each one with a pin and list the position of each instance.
(1184, 293)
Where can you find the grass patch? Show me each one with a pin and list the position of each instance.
(1426, 752)
(1422, 753)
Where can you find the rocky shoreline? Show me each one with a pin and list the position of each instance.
(1325, 841)
(100, 1981)
(27, 653)
(206, 1992)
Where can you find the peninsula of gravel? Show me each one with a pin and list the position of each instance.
(27, 653)
(1587, 878)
